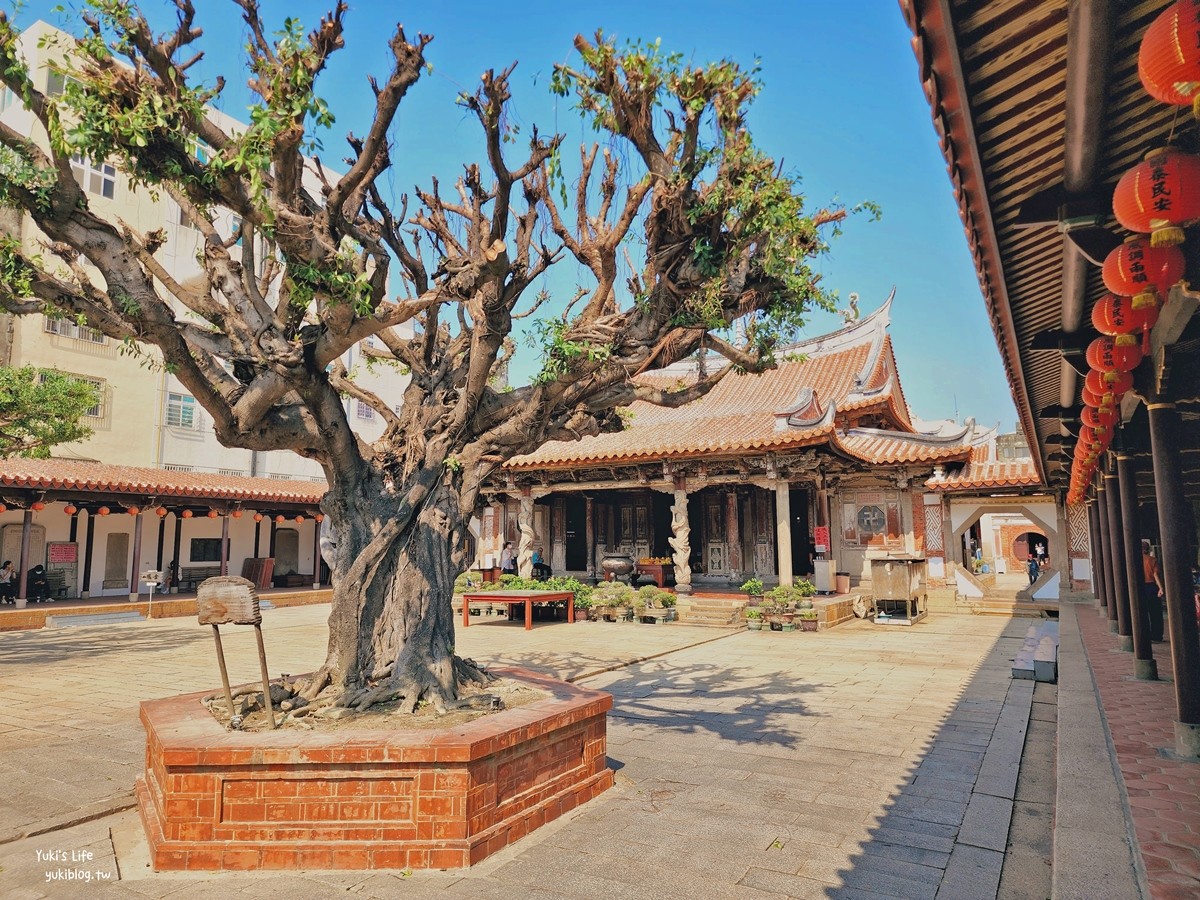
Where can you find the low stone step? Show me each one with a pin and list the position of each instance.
(1037, 660)
(113, 618)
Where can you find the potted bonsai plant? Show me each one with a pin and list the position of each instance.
(808, 618)
(754, 619)
(753, 588)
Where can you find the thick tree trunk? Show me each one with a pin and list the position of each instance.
(391, 629)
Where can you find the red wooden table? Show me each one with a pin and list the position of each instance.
(527, 597)
(660, 572)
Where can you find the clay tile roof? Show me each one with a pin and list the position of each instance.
(80, 475)
(876, 446)
(984, 473)
(792, 405)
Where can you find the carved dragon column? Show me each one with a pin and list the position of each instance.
(680, 545)
(526, 537)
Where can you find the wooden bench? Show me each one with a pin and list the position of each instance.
(193, 575)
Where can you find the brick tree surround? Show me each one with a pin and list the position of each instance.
(356, 798)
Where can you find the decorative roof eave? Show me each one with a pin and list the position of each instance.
(987, 478)
(935, 44)
(806, 412)
(879, 446)
(787, 441)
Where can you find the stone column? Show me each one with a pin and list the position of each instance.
(1165, 426)
(317, 555)
(733, 537)
(225, 544)
(137, 556)
(783, 532)
(1110, 596)
(1112, 500)
(176, 558)
(589, 534)
(1144, 666)
(525, 535)
(681, 548)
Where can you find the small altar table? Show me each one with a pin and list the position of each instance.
(660, 572)
(529, 598)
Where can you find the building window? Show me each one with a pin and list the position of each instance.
(95, 178)
(208, 550)
(69, 329)
(871, 519)
(181, 411)
(56, 83)
(364, 410)
(93, 412)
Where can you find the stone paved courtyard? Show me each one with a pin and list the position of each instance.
(837, 764)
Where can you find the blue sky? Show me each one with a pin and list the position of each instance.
(842, 107)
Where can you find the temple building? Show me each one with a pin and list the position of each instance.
(810, 469)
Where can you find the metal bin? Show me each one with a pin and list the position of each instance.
(898, 584)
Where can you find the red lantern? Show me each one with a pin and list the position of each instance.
(212, 513)
(187, 513)
(3, 508)
(279, 520)
(258, 517)
(1160, 195)
(299, 519)
(1137, 270)
(37, 506)
(161, 511)
(132, 510)
(103, 511)
(1093, 399)
(1169, 58)
(1110, 386)
(319, 517)
(1113, 315)
(70, 510)
(237, 513)
(1114, 354)
(1099, 419)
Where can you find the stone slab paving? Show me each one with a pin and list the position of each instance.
(835, 765)
(1163, 793)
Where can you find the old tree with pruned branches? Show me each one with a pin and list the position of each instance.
(680, 223)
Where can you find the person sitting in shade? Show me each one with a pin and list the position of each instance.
(541, 571)
(508, 559)
(8, 587)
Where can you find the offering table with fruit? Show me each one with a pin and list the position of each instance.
(660, 568)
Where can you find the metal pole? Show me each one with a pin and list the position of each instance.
(266, 679)
(1144, 666)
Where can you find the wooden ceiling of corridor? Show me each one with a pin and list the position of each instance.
(995, 75)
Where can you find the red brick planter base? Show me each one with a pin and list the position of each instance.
(365, 799)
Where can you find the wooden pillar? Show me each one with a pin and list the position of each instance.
(589, 534)
(26, 532)
(271, 541)
(1165, 427)
(162, 542)
(733, 537)
(137, 556)
(1097, 560)
(257, 532)
(225, 543)
(86, 589)
(783, 532)
(73, 534)
(1112, 500)
(1144, 666)
(1110, 596)
(175, 559)
(316, 555)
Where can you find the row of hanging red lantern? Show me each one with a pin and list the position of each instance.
(1156, 199)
